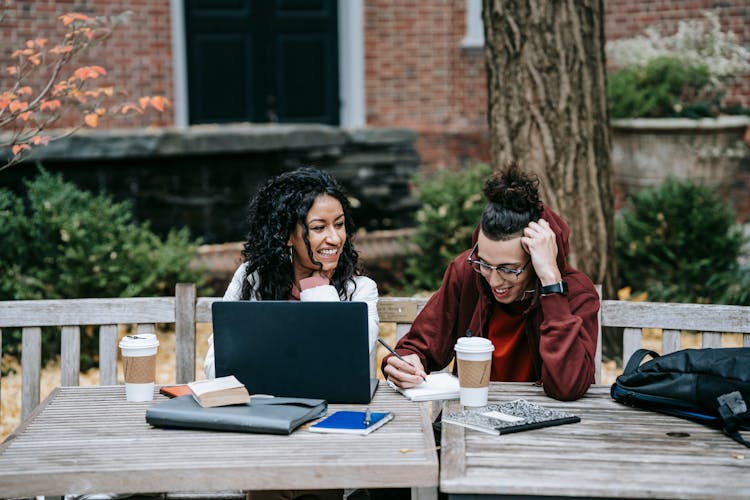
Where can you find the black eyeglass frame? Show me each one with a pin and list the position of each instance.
(489, 268)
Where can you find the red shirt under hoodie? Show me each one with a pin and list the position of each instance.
(559, 331)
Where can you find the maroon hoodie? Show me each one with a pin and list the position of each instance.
(561, 330)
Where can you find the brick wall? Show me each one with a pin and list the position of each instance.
(138, 56)
(417, 75)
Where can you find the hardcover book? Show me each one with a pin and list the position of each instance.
(505, 418)
(352, 422)
(219, 391)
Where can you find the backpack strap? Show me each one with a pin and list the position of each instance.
(635, 360)
(733, 413)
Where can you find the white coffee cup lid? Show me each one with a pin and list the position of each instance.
(474, 345)
(139, 341)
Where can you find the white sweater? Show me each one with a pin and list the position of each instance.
(366, 291)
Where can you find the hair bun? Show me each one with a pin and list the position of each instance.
(513, 189)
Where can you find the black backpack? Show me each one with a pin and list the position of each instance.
(711, 386)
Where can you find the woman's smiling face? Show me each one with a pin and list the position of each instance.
(326, 232)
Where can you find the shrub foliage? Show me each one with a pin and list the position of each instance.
(664, 87)
(679, 243)
(61, 242)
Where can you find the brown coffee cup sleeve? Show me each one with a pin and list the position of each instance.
(474, 374)
(139, 369)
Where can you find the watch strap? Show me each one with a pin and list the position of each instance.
(561, 287)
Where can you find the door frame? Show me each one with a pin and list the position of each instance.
(351, 63)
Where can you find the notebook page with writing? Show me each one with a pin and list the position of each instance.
(437, 386)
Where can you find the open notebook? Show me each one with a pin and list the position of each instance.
(437, 386)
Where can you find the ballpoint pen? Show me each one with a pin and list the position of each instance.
(368, 417)
(397, 355)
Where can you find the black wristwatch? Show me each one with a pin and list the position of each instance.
(561, 287)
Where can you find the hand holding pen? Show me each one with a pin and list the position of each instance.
(404, 371)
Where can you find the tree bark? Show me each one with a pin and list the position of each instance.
(547, 105)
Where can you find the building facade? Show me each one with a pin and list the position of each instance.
(415, 64)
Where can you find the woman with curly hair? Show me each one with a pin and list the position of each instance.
(299, 247)
(514, 287)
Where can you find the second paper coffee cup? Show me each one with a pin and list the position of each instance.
(139, 365)
(474, 358)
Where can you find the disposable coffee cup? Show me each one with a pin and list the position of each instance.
(474, 358)
(139, 365)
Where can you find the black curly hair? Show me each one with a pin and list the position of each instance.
(273, 214)
(512, 202)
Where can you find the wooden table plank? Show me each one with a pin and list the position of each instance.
(89, 439)
(615, 451)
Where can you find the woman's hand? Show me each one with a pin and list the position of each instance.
(541, 243)
(405, 374)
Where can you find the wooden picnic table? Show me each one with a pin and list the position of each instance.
(91, 440)
(615, 451)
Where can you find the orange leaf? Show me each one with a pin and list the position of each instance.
(5, 99)
(40, 42)
(17, 148)
(71, 17)
(40, 139)
(92, 120)
(18, 106)
(50, 105)
(127, 107)
(24, 90)
(12, 70)
(143, 102)
(26, 116)
(61, 49)
(59, 88)
(89, 72)
(159, 103)
(29, 44)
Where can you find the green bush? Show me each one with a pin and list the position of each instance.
(679, 243)
(451, 206)
(664, 87)
(61, 242)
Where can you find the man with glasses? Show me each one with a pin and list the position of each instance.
(514, 287)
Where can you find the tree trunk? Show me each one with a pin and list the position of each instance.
(548, 111)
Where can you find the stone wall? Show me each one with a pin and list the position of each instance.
(203, 176)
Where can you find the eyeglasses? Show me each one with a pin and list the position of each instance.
(486, 270)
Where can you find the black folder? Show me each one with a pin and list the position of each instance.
(266, 415)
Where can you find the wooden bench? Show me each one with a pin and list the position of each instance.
(185, 309)
(70, 315)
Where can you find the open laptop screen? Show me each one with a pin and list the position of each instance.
(297, 349)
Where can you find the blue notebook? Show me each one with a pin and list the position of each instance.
(352, 422)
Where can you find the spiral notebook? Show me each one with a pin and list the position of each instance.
(505, 418)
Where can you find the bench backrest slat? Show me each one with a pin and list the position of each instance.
(75, 312)
(31, 362)
(70, 355)
(108, 354)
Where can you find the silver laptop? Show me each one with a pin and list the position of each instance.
(296, 349)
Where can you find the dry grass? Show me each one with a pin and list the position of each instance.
(10, 405)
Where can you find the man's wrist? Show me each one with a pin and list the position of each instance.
(561, 288)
